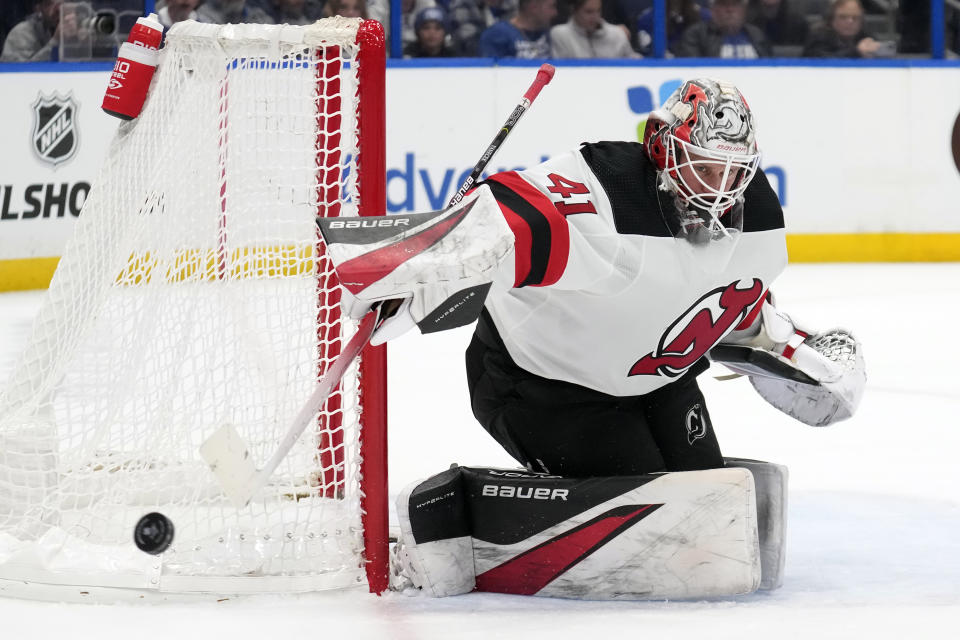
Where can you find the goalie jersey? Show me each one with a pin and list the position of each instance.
(600, 293)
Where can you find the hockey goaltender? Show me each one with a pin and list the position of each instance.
(603, 281)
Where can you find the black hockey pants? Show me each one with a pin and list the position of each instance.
(570, 430)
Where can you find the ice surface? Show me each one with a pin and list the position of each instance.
(874, 517)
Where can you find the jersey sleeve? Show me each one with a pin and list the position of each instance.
(560, 218)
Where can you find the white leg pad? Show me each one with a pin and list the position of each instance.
(441, 564)
(674, 535)
(770, 481)
(699, 541)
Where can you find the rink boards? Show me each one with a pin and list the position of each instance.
(870, 152)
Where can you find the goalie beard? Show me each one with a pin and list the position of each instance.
(704, 250)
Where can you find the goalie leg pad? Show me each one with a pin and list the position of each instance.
(770, 481)
(673, 535)
(435, 551)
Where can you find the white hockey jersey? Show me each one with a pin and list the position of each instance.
(599, 292)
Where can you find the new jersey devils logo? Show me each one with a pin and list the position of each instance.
(698, 329)
(696, 425)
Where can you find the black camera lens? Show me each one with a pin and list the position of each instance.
(103, 23)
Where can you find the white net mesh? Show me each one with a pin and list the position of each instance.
(836, 345)
(195, 294)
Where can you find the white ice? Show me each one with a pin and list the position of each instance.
(874, 516)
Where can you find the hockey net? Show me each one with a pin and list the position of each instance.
(194, 294)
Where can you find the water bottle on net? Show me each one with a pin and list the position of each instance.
(135, 66)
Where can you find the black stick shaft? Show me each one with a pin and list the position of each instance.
(544, 76)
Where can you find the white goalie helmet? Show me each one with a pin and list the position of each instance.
(703, 143)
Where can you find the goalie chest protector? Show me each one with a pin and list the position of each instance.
(600, 293)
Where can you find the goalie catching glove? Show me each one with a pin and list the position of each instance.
(816, 378)
(440, 264)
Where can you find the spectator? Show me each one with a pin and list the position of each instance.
(470, 18)
(587, 35)
(625, 12)
(842, 36)
(280, 13)
(913, 23)
(379, 10)
(11, 13)
(346, 8)
(431, 29)
(913, 19)
(680, 15)
(526, 35)
(231, 12)
(37, 37)
(290, 12)
(726, 35)
(177, 11)
(782, 25)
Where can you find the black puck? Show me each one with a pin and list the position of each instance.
(153, 533)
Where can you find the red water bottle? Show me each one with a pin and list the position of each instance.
(148, 32)
(135, 66)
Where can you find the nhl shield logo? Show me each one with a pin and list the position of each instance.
(54, 128)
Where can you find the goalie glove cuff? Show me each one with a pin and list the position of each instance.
(397, 324)
(790, 348)
(773, 331)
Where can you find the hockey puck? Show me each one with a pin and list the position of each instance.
(153, 533)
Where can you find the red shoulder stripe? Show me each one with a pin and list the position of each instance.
(545, 256)
(523, 243)
(539, 205)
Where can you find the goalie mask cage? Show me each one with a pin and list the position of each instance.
(195, 293)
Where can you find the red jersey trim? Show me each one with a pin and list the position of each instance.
(748, 321)
(544, 259)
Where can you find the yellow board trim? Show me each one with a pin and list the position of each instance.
(26, 273)
(874, 247)
(206, 265)
(188, 265)
(36, 273)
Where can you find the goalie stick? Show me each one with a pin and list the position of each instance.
(544, 76)
(753, 361)
(227, 454)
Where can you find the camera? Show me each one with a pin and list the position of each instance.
(103, 22)
(95, 29)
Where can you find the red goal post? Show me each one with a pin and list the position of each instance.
(373, 201)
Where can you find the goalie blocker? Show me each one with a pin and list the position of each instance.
(694, 534)
(440, 264)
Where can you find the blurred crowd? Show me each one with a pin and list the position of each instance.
(34, 29)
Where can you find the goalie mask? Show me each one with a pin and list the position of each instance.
(703, 144)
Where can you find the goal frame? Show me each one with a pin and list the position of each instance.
(371, 160)
(365, 122)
